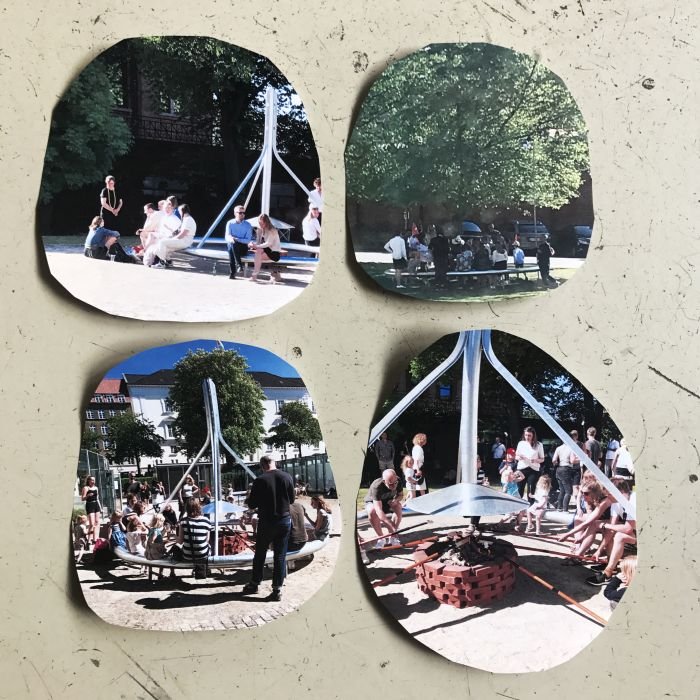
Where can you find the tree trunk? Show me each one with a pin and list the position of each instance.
(233, 105)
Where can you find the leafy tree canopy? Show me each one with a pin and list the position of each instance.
(89, 440)
(467, 126)
(240, 400)
(297, 425)
(131, 438)
(86, 136)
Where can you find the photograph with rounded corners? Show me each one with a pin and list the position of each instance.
(468, 176)
(496, 518)
(190, 163)
(204, 497)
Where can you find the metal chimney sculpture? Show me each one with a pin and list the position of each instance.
(466, 497)
(262, 166)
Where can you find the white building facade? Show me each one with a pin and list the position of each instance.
(149, 399)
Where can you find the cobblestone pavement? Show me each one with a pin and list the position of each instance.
(121, 595)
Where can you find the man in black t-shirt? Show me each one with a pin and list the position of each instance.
(544, 253)
(382, 499)
(440, 248)
(134, 487)
(271, 493)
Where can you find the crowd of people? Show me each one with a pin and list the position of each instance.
(417, 251)
(170, 227)
(599, 526)
(149, 529)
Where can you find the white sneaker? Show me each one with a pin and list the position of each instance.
(158, 266)
(379, 544)
(394, 540)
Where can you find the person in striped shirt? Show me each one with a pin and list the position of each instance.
(193, 534)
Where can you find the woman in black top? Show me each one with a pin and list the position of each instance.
(110, 203)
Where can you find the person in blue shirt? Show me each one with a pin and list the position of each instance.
(239, 233)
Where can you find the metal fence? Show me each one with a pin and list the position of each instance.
(93, 464)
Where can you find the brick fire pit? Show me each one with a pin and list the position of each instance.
(470, 575)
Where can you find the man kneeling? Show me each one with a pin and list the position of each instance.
(384, 498)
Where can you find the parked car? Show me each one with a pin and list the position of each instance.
(572, 241)
(528, 233)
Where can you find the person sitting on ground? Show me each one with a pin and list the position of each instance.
(616, 587)
(397, 247)
(324, 519)
(269, 249)
(182, 239)
(383, 499)
(538, 507)
(102, 243)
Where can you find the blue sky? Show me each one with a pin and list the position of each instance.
(166, 356)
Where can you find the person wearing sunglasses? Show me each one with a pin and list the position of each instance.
(239, 233)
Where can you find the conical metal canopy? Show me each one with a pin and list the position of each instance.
(465, 500)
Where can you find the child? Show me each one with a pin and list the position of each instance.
(117, 537)
(510, 478)
(80, 533)
(620, 583)
(323, 523)
(542, 489)
(155, 545)
(508, 464)
(409, 475)
(134, 537)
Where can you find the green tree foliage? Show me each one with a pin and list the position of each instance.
(89, 440)
(132, 438)
(467, 126)
(297, 425)
(221, 86)
(86, 136)
(239, 395)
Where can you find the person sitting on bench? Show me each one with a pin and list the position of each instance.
(268, 250)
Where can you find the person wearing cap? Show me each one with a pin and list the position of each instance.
(239, 233)
(310, 226)
(382, 500)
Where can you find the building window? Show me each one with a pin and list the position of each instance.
(112, 414)
(445, 392)
(101, 415)
(119, 399)
(169, 431)
(103, 429)
(92, 428)
(90, 415)
(174, 449)
(268, 448)
(279, 405)
(106, 444)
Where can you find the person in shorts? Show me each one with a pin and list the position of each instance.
(397, 247)
(382, 501)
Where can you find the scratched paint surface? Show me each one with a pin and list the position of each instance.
(626, 325)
